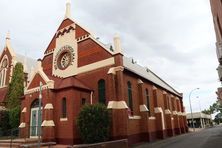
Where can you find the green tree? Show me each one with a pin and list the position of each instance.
(94, 123)
(15, 92)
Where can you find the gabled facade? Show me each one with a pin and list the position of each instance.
(8, 60)
(78, 69)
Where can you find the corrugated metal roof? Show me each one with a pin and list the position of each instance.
(147, 74)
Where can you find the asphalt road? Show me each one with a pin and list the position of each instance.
(207, 138)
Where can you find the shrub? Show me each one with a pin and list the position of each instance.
(4, 122)
(94, 123)
(14, 116)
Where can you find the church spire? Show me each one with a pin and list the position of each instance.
(68, 9)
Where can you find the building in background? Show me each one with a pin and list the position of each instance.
(200, 120)
(8, 60)
(216, 8)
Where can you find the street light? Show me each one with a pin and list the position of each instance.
(191, 108)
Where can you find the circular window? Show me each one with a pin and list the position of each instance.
(64, 60)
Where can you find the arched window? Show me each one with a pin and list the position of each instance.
(102, 91)
(147, 99)
(3, 67)
(130, 99)
(64, 109)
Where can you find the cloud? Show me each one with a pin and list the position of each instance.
(173, 38)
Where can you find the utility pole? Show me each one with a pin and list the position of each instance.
(39, 115)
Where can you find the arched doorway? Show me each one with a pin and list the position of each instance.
(35, 118)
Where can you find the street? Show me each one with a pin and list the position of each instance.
(207, 138)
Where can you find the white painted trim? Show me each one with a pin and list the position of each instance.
(143, 108)
(174, 112)
(164, 92)
(113, 70)
(177, 98)
(82, 38)
(167, 111)
(49, 83)
(184, 114)
(139, 81)
(63, 119)
(117, 105)
(160, 110)
(134, 117)
(48, 123)
(152, 118)
(96, 65)
(24, 110)
(22, 125)
(36, 89)
(172, 118)
(48, 106)
(154, 88)
(180, 113)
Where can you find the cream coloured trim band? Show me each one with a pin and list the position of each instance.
(24, 110)
(180, 113)
(48, 106)
(96, 65)
(152, 118)
(36, 89)
(167, 111)
(143, 108)
(134, 117)
(175, 113)
(158, 110)
(48, 123)
(22, 125)
(172, 118)
(117, 105)
(113, 70)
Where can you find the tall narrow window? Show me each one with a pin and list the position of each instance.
(102, 91)
(130, 99)
(83, 101)
(147, 99)
(64, 111)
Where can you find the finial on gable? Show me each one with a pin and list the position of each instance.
(68, 9)
(8, 36)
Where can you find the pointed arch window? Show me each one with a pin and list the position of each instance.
(64, 108)
(102, 91)
(130, 99)
(3, 68)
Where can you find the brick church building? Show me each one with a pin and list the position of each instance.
(8, 60)
(78, 69)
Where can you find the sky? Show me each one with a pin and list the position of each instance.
(173, 38)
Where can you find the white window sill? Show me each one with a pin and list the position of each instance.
(63, 119)
(134, 117)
